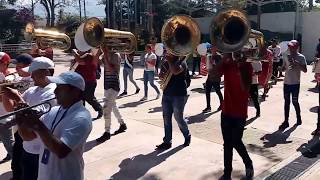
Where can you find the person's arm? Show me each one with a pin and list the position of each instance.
(301, 66)
(174, 66)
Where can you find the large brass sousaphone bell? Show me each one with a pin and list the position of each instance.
(47, 38)
(92, 34)
(230, 31)
(180, 35)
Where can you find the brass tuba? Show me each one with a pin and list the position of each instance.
(47, 38)
(230, 31)
(180, 35)
(92, 34)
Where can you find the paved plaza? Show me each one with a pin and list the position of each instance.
(131, 155)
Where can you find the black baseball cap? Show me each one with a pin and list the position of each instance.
(23, 58)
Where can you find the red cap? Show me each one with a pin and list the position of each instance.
(293, 43)
(5, 58)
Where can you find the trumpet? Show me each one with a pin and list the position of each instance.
(47, 38)
(39, 113)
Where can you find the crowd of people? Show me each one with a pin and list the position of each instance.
(50, 145)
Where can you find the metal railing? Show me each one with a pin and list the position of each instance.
(16, 49)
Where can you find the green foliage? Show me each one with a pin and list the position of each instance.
(12, 22)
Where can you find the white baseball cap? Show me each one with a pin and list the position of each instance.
(40, 63)
(71, 78)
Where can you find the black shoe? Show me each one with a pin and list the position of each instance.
(100, 114)
(219, 108)
(187, 141)
(249, 173)
(7, 158)
(163, 146)
(124, 93)
(122, 128)
(284, 125)
(316, 132)
(299, 122)
(257, 114)
(225, 177)
(207, 109)
(137, 91)
(104, 137)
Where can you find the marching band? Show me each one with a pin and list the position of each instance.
(47, 143)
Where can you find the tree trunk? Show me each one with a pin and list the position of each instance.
(84, 9)
(259, 17)
(80, 10)
(106, 11)
(310, 5)
(53, 18)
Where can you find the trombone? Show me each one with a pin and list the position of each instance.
(26, 109)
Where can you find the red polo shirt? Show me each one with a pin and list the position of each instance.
(235, 103)
(88, 70)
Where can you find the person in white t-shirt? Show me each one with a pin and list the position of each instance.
(276, 51)
(148, 75)
(293, 64)
(254, 93)
(40, 68)
(63, 131)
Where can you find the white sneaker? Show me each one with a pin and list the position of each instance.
(158, 96)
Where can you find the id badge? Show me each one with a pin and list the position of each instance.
(45, 156)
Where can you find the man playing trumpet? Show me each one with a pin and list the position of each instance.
(40, 68)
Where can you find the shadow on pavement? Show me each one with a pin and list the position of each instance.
(311, 149)
(262, 151)
(155, 109)
(198, 118)
(135, 104)
(251, 120)
(236, 174)
(277, 137)
(315, 90)
(198, 90)
(6, 175)
(314, 109)
(139, 165)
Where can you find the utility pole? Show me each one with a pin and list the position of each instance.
(84, 9)
(80, 10)
(129, 14)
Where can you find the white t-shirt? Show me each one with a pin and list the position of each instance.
(293, 73)
(257, 67)
(33, 96)
(149, 58)
(73, 130)
(276, 52)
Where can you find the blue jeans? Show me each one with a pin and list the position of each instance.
(294, 91)
(174, 105)
(148, 76)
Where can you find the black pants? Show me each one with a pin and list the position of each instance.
(196, 62)
(30, 166)
(16, 163)
(216, 86)
(291, 90)
(88, 96)
(254, 94)
(232, 132)
(275, 69)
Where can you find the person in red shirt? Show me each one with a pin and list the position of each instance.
(87, 67)
(42, 50)
(266, 73)
(237, 80)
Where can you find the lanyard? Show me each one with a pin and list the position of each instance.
(53, 125)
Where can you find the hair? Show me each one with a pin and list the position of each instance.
(148, 46)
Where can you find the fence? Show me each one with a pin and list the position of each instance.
(15, 49)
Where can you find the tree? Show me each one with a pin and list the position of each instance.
(51, 6)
